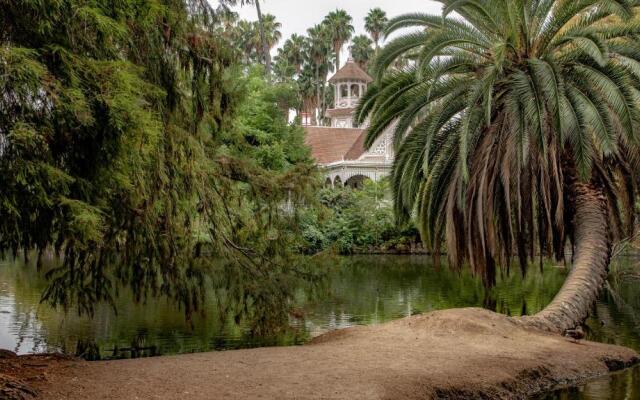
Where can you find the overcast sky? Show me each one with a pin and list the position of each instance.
(296, 16)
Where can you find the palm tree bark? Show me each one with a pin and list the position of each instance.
(592, 253)
(317, 111)
(263, 38)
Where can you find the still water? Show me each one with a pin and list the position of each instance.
(357, 290)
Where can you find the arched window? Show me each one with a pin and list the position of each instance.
(355, 90)
(344, 90)
(356, 182)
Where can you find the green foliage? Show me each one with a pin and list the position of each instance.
(119, 148)
(247, 38)
(354, 220)
(338, 25)
(303, 61)
(262, 131)
(375, 22)
(362, 51)
(292, 54)
(503, 107)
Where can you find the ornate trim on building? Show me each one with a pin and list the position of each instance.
(339, 149)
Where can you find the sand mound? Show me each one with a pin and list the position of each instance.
(453, 354)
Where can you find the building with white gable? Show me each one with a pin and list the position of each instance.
(339, 148)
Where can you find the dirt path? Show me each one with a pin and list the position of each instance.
(453, 354)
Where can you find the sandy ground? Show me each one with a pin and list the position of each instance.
(452, 354)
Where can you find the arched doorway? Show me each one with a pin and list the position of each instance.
(356, 181)
(328, 183)
(337, 182)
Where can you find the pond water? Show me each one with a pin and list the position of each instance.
(357, 290)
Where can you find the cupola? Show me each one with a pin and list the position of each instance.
(350, 84)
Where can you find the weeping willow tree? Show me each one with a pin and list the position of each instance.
(111, 115)
(516, 129)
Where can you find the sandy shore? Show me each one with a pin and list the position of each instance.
(452, 354)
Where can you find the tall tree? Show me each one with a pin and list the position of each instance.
(374, 24)
(319, 52)
(111, 122)
(228, 20)
(282, 69)
(247, 40)
(272, 30)
(340, 30)
(307, 86)
(261, 29)
(361, 50)
(517, 131)
(294, 51)
(265, 44)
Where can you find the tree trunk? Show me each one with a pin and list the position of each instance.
(317, 111)
(592, 253)
(265, 46)
(337, 48)
(314, 119)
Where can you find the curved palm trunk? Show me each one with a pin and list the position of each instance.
(592, 253)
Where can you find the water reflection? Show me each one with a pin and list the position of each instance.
(619, 386)
(615, 320)
(357, 290)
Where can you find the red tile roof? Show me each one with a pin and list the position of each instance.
(357, 150)
(329, 145)
(351, 71)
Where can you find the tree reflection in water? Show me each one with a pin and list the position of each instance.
(355, 290)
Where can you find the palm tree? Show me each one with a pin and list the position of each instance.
(361, 50)
(294, 51)
(307, 85)
(227, 20)
(374, 24)
(248, 40)
(517, 133)
(319, 53)
(263, 37)
(338, 23)
(282, 69)
(272, 34)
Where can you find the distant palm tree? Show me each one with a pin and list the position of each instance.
(338, 23)
(374, 24)
(263, 37)
(517, 130)
(361, 50)
(282, 69)
(228, 20)
(319, 52)
(294, 51)
(307, 85)
(248, 40)
(272, 32)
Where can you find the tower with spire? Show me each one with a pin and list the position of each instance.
(350, 83)
(339, 148)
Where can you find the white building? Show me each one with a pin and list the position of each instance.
(339, 149)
